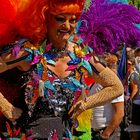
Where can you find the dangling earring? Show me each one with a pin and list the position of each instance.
(75, 38)
(63, 25)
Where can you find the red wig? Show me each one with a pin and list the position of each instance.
(26, 18)
(7, 20)
(30, 21)
(66, 6)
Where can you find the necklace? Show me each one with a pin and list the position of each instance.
(55, 54)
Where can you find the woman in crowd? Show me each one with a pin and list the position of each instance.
(137, 58)
(133, 97)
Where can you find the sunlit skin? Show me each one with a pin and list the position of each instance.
(130, 66)
(60, 28)
(137, 54)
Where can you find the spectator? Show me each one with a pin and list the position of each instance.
(133, 95)
(106, 118)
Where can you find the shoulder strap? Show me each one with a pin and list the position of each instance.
(17, 60)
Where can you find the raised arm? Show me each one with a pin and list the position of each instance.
(112, 88)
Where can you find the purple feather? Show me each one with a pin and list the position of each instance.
(35, 79)
(36, 59)
(16, 49)
(105, 26)
(48, 47)
(87, 57)
(71, 67)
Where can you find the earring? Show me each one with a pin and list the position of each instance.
(75, 38)
(63, 25)
(74, 32)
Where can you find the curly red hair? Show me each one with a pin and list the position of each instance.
(7, 20)
(66, 6)
(26, 18)
(30, 21)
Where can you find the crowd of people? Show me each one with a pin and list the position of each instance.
(131, 95)
(123, 122)
(54, 84)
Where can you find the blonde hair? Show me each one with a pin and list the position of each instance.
(111, 61)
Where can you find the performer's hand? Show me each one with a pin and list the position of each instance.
(76, 110)
(3, 66)
(16, 113)
(13, 113)
(8, 110)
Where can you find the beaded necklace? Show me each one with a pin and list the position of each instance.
(55, 53)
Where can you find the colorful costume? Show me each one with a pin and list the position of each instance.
(49, 98)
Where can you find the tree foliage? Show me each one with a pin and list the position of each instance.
(135, 2)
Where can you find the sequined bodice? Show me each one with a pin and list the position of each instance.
(63, 93)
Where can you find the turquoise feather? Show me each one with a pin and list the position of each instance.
(51, 62)
(76, 82)
(69, 86)
(138, 25)
(48, 85)
(87, 65)
(39, 69)
(119, 1)
(72, 55)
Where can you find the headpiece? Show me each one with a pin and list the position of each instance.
(106, 25)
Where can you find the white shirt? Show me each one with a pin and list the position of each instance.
(102, 115)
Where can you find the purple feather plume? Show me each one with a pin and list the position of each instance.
(15, 50)
(105, 26)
